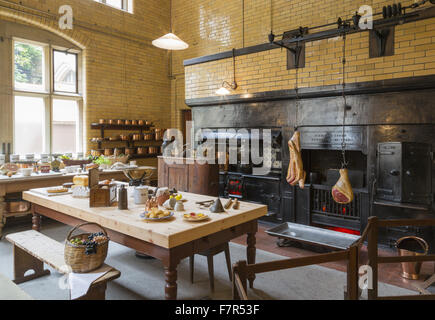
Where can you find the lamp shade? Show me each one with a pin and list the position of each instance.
(223, 91)
(170, 42)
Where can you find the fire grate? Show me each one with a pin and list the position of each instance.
(323, 203)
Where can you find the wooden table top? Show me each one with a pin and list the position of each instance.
(167, 233)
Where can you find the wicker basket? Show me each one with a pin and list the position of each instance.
(76, 257)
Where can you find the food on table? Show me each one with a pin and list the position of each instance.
(57, 190)
(151, 204)
(9, 169)
(55, 165)
(296, 174)
(342, 191)
(193, 216)
(156, 213)
(81, 180)
(162, 195)
(91, 166)
(68, 185)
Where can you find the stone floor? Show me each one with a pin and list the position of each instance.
(144, 279)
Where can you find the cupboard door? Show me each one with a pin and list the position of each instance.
(204, 179)
(178, 177)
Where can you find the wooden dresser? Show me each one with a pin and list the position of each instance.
(188, 177)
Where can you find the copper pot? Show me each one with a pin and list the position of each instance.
(121, 122)
(152, 150)
(101, 121)
(108, 152)
(148, 123)
(130, 151)
(127, 122)
(134, 122)
(125, 137)
(158, 134)
(141, 122)
(111, 121)
(148, 136)
(142, 150)
(137, 137)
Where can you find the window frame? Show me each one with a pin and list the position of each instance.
(126, 5)
(76, 53)
(49, 94)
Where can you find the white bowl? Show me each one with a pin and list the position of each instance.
(26, 172)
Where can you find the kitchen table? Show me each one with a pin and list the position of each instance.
(169, 241)
(18, 183)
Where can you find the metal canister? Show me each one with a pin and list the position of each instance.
(122, 198)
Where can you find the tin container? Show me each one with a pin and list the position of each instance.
(140, 195)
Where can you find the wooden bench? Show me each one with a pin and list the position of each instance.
(10, 291)
(32, 249)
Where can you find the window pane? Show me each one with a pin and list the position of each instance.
(115, 3)
(29, 125)
(65, 71)
(29, 66)
(65, 126)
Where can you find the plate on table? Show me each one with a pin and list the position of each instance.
(193, 217)
(143, 215)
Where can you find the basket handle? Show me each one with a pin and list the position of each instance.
(84, 224)
(421, 241)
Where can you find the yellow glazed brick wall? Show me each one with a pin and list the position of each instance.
(266, 71)
(126, 77)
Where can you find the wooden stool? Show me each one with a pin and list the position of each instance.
(210, 254)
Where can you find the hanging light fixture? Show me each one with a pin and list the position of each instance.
(170, 41)
(226, 86)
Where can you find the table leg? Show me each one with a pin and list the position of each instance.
(250, 252)
(36, 221)
(2, 217)
(171, 282)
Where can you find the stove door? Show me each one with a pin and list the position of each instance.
(417, 173)
(389, 171)
(265, 191)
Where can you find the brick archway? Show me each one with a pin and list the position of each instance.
(74, 36)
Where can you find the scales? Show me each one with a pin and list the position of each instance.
(139, 175)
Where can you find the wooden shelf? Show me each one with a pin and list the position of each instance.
(119, 126)
(128, 141)
(144, 156)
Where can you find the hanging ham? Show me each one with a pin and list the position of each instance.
(342, 191)
(296, 174)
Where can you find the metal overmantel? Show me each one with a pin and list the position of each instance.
(360, 88)
(413, 16)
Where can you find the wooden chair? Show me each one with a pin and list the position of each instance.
(210, 254)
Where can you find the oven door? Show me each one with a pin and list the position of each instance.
(264, 190)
